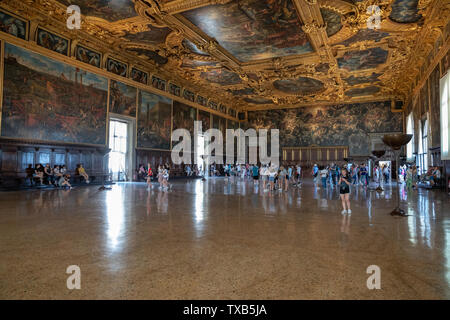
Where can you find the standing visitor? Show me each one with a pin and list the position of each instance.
(344, 191)
(255, 174)
(323, 176)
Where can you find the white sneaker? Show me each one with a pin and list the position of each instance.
(343, 211)
(349, 211)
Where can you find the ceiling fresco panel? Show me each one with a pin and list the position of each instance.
(110, 10)
(405, 11)
(253, 29)
(222, 77)
(363, 59)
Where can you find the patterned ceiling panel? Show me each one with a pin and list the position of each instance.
(253, 29)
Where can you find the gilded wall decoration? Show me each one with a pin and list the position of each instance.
(158, 83)
(189, 95)
(174, 89)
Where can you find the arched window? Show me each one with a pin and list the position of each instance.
(410, 130)
(425, 145)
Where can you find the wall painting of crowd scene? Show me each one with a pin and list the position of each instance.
(12, 25)
(184, 117)
(205, 118)
(339, 125)
(154, 121)
(122, 99)
(44, 99)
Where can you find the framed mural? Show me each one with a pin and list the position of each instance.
(213, 105)
(188, 95)
(116, 67)
(183, 117)
(138, 75)
(88, 56)
(205, 118)
(122, 99)
(154, 115)
(219, 123)
(223, 108)
(44, 99)
(158, 83)
(14, 26)
(174, 89)
(52, 41)
(340, 125)
(202, 101)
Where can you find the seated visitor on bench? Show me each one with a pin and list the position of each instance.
(81, 172)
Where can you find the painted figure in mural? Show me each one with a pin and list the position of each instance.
(13, 26)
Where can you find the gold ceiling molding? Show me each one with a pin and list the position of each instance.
(257, 76)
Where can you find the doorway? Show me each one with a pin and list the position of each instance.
(202, 163)
(118, 143)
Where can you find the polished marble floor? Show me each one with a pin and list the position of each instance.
(217, 240)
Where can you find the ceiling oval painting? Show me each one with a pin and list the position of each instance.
(109, 10)
(405, 11)
(332, 20)
(253, 29)
(300, 86)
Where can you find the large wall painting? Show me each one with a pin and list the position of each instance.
(44, 99)
(364, 59)
(435, 118)
(339, 125)
(12, 25)
(205, 118)
(253, 29)
(122, 99)
(154, 121)
(184, 117)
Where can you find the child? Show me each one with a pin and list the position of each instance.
(64, 181)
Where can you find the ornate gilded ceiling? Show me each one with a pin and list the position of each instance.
(253, 54)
